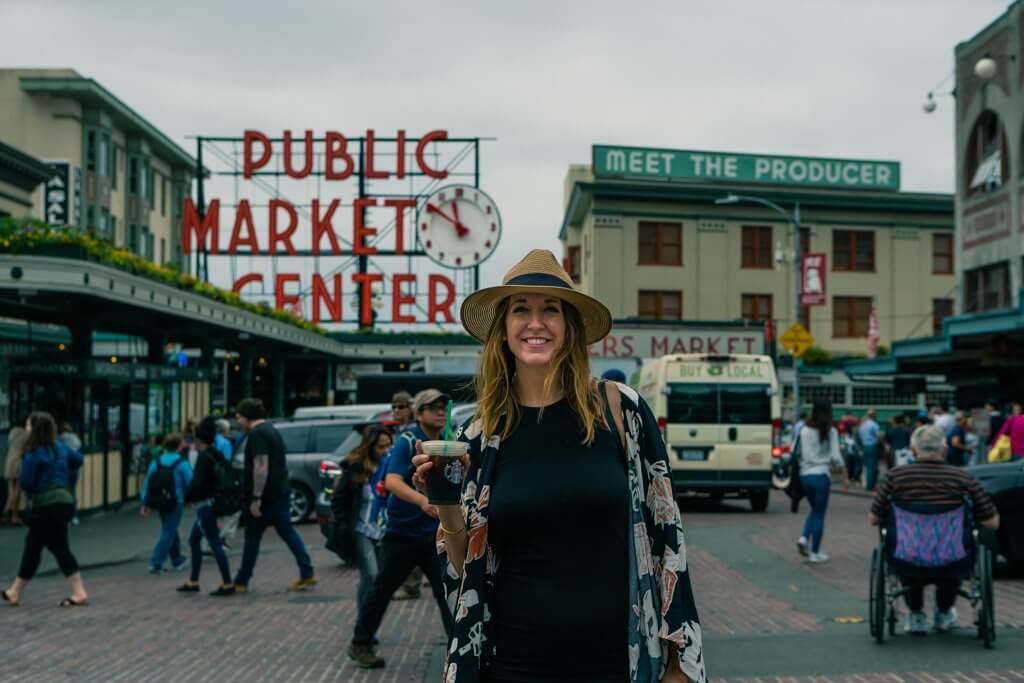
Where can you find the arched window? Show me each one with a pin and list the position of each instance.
(987, 162)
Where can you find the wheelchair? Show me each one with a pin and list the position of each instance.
(930, 542)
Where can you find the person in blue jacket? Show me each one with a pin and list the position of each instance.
(168, 543)
(49, 473)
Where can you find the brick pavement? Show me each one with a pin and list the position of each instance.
(1009, 676)
(848, 539)
(139, 628)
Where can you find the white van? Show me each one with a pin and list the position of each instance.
(365, 411)
(720, 416)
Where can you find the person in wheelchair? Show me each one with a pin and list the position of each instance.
(930, 482)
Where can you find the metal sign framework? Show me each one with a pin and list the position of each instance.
(220, 173)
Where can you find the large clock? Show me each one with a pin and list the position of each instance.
(458, 226)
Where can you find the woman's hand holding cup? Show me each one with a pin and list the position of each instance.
(423, 465)
(440, 469)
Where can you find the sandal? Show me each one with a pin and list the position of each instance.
(71, 602)
(8, 600)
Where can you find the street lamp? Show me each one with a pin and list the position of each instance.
(794, 219)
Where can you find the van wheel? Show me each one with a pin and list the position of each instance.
(759, 500)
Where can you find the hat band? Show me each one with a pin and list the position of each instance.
(539, 280)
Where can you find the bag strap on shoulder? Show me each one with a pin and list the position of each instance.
(613, 414)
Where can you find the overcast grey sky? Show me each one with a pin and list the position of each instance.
(838, 78)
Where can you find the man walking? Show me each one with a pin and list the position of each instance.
(409, 538)
(870, 435)
(266, 495)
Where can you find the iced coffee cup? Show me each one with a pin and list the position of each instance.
(444, 479)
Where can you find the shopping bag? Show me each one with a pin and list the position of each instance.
(1001, 451)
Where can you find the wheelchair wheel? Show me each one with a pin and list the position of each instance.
(877, 602)
(986, 606)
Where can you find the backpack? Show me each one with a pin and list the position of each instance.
(161, 492)
(228, 499)
(379, 511)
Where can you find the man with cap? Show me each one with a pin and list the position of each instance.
(409, 536)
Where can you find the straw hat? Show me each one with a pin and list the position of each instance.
(538, 273)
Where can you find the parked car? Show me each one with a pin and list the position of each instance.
(309, 442)
(1005, 483)
(364, 411)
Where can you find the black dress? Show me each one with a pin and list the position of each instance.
(559, 524)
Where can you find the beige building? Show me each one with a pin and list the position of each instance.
(126, 178)
(20, 175)
(644, 235)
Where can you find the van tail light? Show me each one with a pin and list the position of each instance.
(776, 436)
(329, 469)
(663, 426)
(776, 452)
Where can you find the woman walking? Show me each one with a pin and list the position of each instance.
(49, 472)
(17, 438)
(202, 490)
(565, 474)
(819, 455)
(354, 504)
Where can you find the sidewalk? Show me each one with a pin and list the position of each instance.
(99, 540)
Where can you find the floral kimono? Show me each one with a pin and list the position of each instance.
(661, 600)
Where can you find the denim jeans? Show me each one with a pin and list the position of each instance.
(168, 543)
(366, 558)
(870, 467)
(275, 515)
(206, 525)
(816, 489)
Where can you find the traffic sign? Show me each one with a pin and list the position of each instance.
(797, 340)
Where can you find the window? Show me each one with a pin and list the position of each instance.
(941, 309)
(882, 396)
(661, 305)
(757, 307)
(805, 240)
(853, 250)
(151, 190)
(90, 150)
(129, 238)
(987, 288)
(133, 176)
(114, 156)
(942, 254)
(329, 437)
(572, 263)
(757, 246)
(986, 160)
(163, 196)
(729, 404)
(805, 317)
(163, 251)
(296, 439)
(850, 316)
(113, 229)
(90, 218)
(103, 157)
(661, 244)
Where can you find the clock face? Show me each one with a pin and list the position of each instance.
(458, 226)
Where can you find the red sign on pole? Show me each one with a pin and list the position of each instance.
(812, 280)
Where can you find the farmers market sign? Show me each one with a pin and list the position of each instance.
(677, 164)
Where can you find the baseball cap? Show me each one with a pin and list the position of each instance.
(428, 396)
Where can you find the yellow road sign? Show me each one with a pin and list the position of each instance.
(797, 340)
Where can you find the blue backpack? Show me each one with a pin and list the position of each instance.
(379, 511)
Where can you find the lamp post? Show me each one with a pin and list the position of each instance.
(794, 219)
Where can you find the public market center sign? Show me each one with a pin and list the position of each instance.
(678, 164)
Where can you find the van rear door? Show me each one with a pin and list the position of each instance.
(693, 430)
(746, 425)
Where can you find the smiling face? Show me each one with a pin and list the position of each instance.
(535, 328)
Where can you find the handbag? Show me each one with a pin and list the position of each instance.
(795, 488)
(1000, 452)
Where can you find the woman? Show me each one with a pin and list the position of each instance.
(202, 490)
(1014, 429)
(354, 503)
(819, 454)
(554, 490)
(17, 438)
(49, 472)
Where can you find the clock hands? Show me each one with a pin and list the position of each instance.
(460, 229)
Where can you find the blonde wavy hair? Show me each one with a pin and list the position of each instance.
(570, 371)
